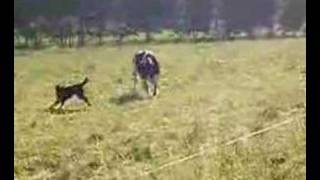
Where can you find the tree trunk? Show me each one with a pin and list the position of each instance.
(61, 38)
(70, 40)
(100, 38)
(120, 39)
(251, 34)
(18, 39)
(81, 34)
(37, 41)
(26, 41)
(148, 35)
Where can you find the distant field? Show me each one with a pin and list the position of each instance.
(209, 93)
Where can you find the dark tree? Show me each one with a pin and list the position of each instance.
(246, 14)
(294, 14)
(68, 20)
(144, 15)
(199, 15)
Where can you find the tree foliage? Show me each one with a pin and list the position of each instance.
(97, 17)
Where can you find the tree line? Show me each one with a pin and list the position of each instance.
(70, 23)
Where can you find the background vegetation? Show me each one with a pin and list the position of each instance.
(70, 23)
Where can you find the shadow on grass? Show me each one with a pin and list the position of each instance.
(64, 111)
(127, 98)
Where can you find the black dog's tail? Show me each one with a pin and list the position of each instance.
(85, 81)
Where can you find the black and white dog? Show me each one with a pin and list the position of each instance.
(146, 67)
(63, 93)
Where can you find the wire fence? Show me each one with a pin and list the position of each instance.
(209, 150)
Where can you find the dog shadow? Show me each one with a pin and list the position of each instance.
(64, 111)
(127, 98)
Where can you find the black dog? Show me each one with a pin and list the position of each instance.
(63, 93)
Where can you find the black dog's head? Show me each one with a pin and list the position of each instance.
(57, 87)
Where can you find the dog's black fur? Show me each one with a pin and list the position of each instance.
(63, 93)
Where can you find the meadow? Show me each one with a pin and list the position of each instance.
(210, 93)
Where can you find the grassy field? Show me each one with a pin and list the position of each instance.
(210, 93)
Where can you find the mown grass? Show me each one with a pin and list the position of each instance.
(209, 93)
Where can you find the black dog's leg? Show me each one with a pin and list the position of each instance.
(84, 98)
(54, 104)
(61, 105)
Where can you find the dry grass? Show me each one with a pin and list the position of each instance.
(209, 93)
